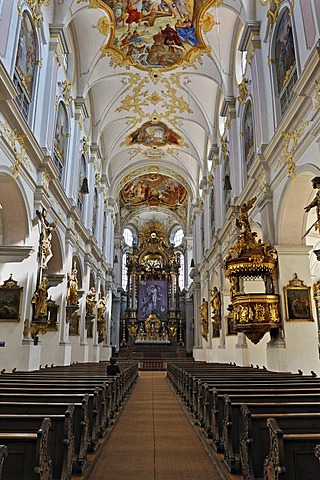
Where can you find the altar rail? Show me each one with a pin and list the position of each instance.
(152, 365)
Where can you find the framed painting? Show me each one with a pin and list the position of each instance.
(230, 327)
(297, 298)
(10, 300)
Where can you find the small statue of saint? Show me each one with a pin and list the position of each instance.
(101, 308)
(90, 302)
(72, 285)
(45, 247)
(215, 305)
(39, 299)
(204, 318)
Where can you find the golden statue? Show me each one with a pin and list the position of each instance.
(101, 308)
(204, 318)
(90, 302)
(315, 203)
(243, 221)
(215, 304)
(72, 284)
(39, 299)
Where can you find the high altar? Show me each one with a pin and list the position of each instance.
(152, 316)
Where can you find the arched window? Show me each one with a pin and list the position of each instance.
(178, 237)
(60, 139)
(285, 58)
(128, 236)
(124, 272)
(248, 135)
(25, 66)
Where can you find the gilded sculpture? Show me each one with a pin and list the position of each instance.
(72, 286)
(204, 319)
(90, 302)
(39, 299)
(45, 247)
(215, 305)
(101, 307)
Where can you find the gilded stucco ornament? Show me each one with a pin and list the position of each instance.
(16, 143)
(207, 22)
(291, 141)
(243, 90)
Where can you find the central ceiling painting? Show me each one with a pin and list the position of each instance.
(156, 34)
(153, 189)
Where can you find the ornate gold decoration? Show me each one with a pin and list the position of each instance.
(36, 9)
(154, 98)
(57, 57)
(261, 179)
(316, 296)
(252, 314)
(274, 10)
(16, 142)
(153, 236)
(289, 147)
(215, 303)
(66, 93)
(204, 316)
(243, 91)
(207, 22)
(103, 25)
(224, 147)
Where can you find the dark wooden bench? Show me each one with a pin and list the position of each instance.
(28, 455)
(254, 436)
(3, 456)
(232, 420)
(291, 455)
(80, 423)
(61, 438)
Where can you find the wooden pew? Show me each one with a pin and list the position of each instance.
(28, 456)
(254, 437)
(61, 438)
(3, 456)
(291, 456)
(232, 423)
(80, 423)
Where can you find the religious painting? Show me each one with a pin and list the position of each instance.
(229, 326)
(26, 53)
(155, 134)
(284, 50)
(10, 300)
(155, 34)
(248, 134)
(61, 131)
(297, 298)
(153, 299)
(154, 189)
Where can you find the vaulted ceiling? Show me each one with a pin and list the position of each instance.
(154, 76)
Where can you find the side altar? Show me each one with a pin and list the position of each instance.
(152, 315)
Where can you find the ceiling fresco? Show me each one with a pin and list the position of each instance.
(154, 134)
(153, 189)
(156, 34)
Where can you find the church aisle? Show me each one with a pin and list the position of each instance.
(153, 439)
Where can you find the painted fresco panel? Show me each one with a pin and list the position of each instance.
(156, 33)
(284, 50)
(155, 189)
(26, 54)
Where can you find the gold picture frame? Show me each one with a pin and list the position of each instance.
(297, 298)
(10, 300)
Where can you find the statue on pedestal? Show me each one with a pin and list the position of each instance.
(72, 284)
(90, 302)
(39, 299)
(101, 308)
(215, 305)
(204, 318)
(46, 229)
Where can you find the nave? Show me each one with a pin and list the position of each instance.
(153, 439)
